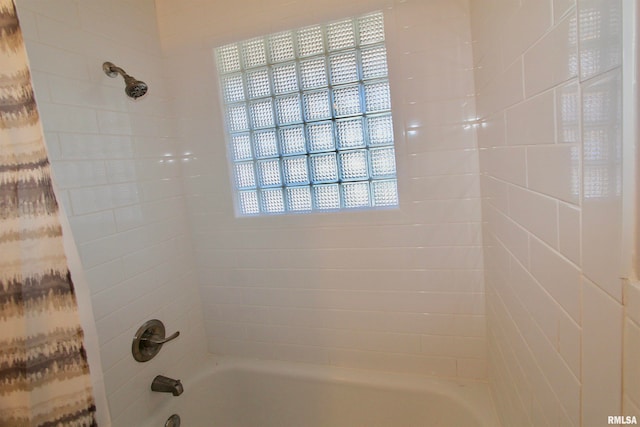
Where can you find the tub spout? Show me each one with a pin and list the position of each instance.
(164, 384)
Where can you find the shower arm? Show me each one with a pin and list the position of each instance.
(112, 70)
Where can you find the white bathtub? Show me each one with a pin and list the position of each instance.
(243, 393)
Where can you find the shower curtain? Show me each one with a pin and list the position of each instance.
(44, 374)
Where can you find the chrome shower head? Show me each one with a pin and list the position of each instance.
(133, 88)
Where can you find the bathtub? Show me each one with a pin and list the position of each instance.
(250, 393)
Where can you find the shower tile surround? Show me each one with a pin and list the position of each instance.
(393, 290)
(548, 84)
(116, 164)
(146, 187)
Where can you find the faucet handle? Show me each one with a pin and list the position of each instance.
(149, 340)
(157, 340)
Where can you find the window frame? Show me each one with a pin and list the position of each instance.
(380, 177)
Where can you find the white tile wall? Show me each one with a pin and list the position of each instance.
(631, 378)
(398, 290)
(116, 163)
(550, 166)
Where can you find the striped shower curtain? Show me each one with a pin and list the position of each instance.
(44, 374)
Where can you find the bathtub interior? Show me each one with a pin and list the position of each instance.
(252, 395)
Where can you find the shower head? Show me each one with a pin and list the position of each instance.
(133, 88)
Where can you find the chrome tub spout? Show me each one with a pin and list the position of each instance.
(164, 384)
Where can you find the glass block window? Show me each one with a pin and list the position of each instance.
(308, 119)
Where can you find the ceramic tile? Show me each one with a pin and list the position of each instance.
(602, 186)
(562, 7)
(549, 268)
(532, 121)
(631, 378)
(553, 59)
(530, 21)
(601, 353)
(555, 171)
(569, 232)
(93, 128)
(535, 212)
(508, 164)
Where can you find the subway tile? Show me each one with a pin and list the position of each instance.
(532, 121)
(340, 338)
(555, 171)
(448, 111)
(553, 59)
(530, 21)
(492, 131)
(505, 90)
(601, 186)
(28, 23)
(453, 346)
(443, 163)
(393, 362)
(93, 199)
(558, 276)
(508, 164)
(79, 174)
(65, 11)
(298, 353)
(92, 226)
(436, 211)
(72, 91)
(472, 368)
(535, 212)
(227, 347)
(631, 373)
(488, 66)
(441, 286)
(510, 233)
(83, 146)
(632, 301)
(63, 118)
(537, 301)
(562, 7)
(444, 136)
(154, 190)
(570, 343)
(117, 349)
(138, 215)
(67, 64)
(569, 232)
(222, 295)
(115, 123)
(397, 322)
(57, 32)
(411, 302)
(461, 186)
(52, 144)
(228, 330)
(148, 258)
(496, 193)
(104, 276)
(602, 318)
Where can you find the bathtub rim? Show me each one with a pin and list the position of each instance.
(473, 395)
